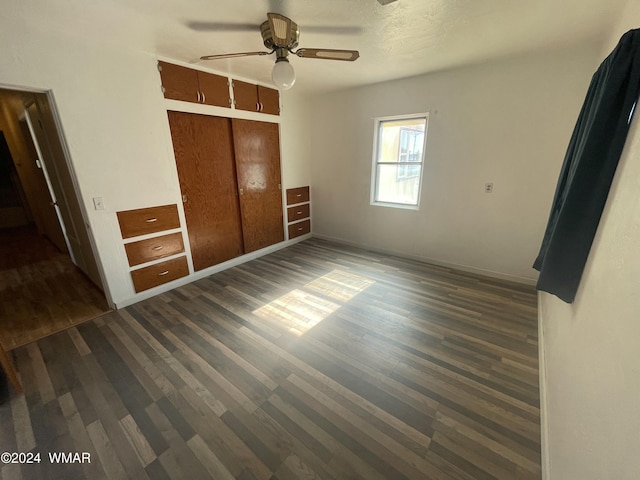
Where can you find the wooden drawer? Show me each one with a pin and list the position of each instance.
(297, 213)
(154, 248)
(297, 195)
(154, 275)
(300, 228)
(148, 220)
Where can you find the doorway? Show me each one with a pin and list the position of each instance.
(50, 278)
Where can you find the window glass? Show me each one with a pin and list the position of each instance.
(398, 160)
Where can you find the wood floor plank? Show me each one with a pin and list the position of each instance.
(41, 291)
(318, 361)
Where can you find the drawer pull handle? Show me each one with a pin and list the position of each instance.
(299, 212)
(299, 195)
(151, 220)
(163, 273)
(300, 228)
(157, 247)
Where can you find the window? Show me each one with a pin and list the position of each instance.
(397, 160)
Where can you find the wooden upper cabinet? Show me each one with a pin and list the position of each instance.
(214, 89)
(179, 83)
(246, 96)
(269, 100)
(256, 98)
(188, 85)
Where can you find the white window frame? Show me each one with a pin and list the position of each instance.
(374, 165)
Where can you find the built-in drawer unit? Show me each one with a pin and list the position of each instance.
(142, 221)
(153, 223)
(299, 228)
(297, 195)
(154, 275)
(298, 211)
(144, 251)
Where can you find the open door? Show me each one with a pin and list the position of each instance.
(49, 215)
(59, 179)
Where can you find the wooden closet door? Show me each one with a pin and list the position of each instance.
(257, 149)
(203, 149)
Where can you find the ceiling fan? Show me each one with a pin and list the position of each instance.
(281, 35)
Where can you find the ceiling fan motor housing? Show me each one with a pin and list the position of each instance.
(279, 32)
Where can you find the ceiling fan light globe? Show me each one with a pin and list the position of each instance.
(283, 75)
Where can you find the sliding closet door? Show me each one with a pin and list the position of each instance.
(257, 150)
(203, 147)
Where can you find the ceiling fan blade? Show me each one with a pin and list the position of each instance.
(233, 55)
(252, 27)
(223, 27)
(333, 30)
(328, 54)
(278, 6)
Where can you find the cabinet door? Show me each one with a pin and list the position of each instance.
(257, 148)
(269, 100)
(246, 96)
(214, 89)
(203, 149)
(179, 83)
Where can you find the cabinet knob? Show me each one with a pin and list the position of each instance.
(184, 199)
(241, 191)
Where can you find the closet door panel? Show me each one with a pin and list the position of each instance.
(257, 150)
(203, 149)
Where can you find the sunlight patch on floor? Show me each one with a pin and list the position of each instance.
(301, 309)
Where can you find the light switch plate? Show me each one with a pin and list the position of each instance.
(97, 203)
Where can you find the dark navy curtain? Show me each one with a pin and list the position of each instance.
(588, 169)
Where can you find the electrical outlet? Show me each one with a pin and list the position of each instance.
(97, 203)
(488, 188)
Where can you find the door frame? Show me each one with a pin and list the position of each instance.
(71, 196)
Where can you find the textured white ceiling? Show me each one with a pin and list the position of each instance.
(401, 39)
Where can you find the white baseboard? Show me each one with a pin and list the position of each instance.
(542, 369)
(152, 292)
(434, 261)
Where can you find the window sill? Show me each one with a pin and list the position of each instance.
(401, 206)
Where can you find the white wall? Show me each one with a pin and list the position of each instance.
(590, 350)
(295, 139)
(505, 122)
(113, 115)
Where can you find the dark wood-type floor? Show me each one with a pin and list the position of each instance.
(314, 362)
(41, 291)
